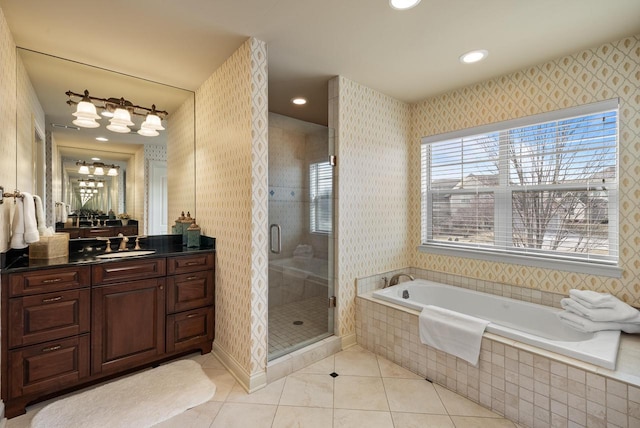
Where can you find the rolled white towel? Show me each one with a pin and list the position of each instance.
(592, 299)
(588, 326)
(17, 226)
(31, 234)
(621, 312)
(42, 226)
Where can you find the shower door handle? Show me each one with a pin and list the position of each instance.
(278, 248)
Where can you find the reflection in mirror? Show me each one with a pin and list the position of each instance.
(138, 190)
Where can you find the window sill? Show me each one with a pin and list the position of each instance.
(598, 269)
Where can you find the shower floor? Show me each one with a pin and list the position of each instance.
(285, 331)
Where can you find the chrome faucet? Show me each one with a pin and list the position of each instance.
(396, 278)
(123, 242)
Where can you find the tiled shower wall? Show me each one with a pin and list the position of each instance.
(597, 74)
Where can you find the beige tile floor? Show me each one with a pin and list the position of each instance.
(369, 391)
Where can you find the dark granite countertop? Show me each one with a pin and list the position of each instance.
(84, 251)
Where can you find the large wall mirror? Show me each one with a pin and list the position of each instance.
(145, 182)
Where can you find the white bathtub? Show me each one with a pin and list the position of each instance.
(525, 322)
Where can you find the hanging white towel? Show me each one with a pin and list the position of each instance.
(42, 226)
(31, 234)
(17, 226)
(592, 299)
(65, 212)
(452, 332)
(588, 326)
(621, 312)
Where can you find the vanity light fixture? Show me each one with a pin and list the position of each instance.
(98, 168)
(403, 4)
(299, 101)
(90, 183)
(474, 56)
(120, 110)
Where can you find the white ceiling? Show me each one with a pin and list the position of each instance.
(409, 55)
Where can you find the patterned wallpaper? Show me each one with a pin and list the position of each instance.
(608, 71)
(231, 169)
(180, 157)
(7, 125)
(373, 204)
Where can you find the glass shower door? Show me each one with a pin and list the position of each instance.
(300, 235)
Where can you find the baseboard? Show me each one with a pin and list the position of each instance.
(348, 341)
(250, 383)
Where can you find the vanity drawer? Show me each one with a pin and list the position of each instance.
(34, 319)
(49, 280)
(122, 271)
(191, 263)
(189, 291)
(187, 329)
(48, 367)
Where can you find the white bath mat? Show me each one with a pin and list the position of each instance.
(141, 400)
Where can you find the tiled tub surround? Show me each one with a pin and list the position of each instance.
(526, 322)
(530, 386)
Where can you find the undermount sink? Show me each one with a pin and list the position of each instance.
(125, 254)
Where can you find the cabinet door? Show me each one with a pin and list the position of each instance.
(189, 291)
(127, 328)
(188, 329)
(48, 367)
(34, 319)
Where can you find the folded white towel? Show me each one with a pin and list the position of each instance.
(17, 226)
(621, 312)
(588, 326)
(452, 332)
(592, 299)
(40, 221)
(31, 234)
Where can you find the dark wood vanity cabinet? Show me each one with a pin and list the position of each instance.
(63, 328)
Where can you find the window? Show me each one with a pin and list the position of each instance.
(544, 187)
(320, 194)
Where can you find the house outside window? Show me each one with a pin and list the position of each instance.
(320, 197)
(543, 187)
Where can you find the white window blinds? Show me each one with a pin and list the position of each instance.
(320, 194)
(544, 185)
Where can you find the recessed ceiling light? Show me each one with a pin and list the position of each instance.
(403, 4)
(474, 56)
(95, 159)
(299, 101)
(102, 139)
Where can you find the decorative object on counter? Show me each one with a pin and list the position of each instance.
(54, 246)
(124, 218)
(178, 226)
(112, 215)
(186, 222)
(193, 235)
